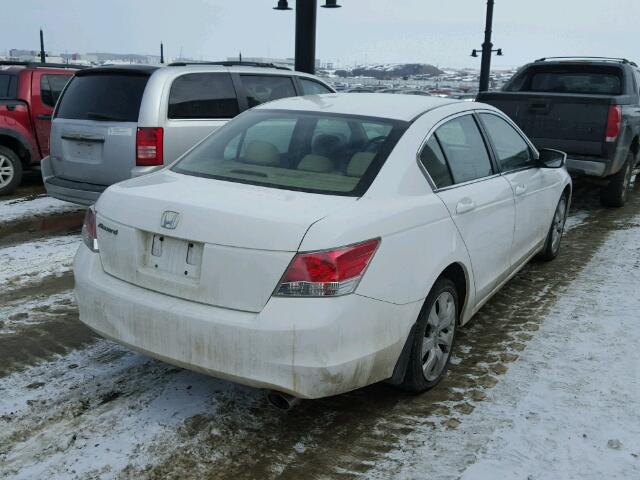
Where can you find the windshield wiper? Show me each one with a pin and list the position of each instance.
(101, 116)
(249, 172)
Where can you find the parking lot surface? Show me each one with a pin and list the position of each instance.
(73, 405)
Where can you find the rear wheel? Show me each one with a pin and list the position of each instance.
(616, 192)
(434, 338)
(10, 171)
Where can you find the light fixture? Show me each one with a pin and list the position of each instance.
(499, 52)
(331, 4)
(474, 53)
(282, 5)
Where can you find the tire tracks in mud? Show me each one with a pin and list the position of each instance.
(345, 436)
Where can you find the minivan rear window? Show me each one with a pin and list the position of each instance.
(292, 150)
(203, 95)
(114, 97)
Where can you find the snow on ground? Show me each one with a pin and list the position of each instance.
(576, 219)
(31, 261)
(16, 209)
(93, 412)
(568, 408)
(18, 314)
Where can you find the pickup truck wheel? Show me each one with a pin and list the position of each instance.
(433, 339)
(554, 237)
(616, 192)
(10, 171)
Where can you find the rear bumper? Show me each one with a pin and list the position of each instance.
(67, 190)
(309, 348)
(591, 168)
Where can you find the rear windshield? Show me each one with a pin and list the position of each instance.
(304, 151)
(104, 97)
(581, 79)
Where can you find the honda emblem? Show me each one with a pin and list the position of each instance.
(170, 220)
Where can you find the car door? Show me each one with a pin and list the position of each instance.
(479, 200)
(532, 186)
(50, 86)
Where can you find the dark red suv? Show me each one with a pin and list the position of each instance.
(28, 93)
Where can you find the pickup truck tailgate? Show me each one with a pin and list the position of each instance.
(572, 123)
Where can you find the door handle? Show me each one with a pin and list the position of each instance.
(465, 205)
(520, 189)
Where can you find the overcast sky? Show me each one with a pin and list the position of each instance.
(438, 32)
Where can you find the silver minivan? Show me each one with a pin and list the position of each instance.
(115, 122)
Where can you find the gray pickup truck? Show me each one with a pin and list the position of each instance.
(587, 107)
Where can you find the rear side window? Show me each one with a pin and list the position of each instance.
(433, 160)
(203, 95)
(580, 79)
(464, 149)
(309, 87)
(264, 88)
(51, 87)
(103, 97)
(8, 86)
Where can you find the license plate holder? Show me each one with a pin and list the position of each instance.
(174, 256)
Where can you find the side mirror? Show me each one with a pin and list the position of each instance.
(550, 158)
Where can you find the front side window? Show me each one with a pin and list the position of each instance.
(303, 151)
(433, 160)
(511, 150)
(464, 149)
(51, 87)
(203, 96)
(264, 88)
(309, 87)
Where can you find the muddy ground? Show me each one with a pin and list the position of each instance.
(76, 406)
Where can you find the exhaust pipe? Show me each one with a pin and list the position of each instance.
(282, 401)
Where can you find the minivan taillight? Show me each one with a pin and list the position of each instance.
(89, 234)
(149, 147)
(614, 120)
(327, 273)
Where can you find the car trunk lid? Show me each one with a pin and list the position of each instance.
(220, 243)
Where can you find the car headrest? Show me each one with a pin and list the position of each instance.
(316, 163)
(262, 153)
(359, 163)
(325, 144)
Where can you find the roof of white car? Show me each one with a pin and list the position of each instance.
(383, 105)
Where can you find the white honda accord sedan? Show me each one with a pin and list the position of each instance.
(315, 245)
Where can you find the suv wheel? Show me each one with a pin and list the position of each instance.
(616, 192)
(434, 338)
(10, 171)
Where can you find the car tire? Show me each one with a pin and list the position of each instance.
(10, 171)
(616, 192)
(556, 230)
(435, 332)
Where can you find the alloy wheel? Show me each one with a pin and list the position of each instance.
(7, 171)
(438, 337)
(558, 224)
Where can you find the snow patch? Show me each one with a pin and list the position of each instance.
(17, 209)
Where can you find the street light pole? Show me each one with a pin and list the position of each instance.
(487, 47)
(306, 35)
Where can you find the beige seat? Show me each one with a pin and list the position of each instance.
(316, 163)
(359, 163)
(262, 153)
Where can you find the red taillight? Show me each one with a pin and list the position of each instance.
(89, 234)
(149, 147)
(613, 123)
(327, 273)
